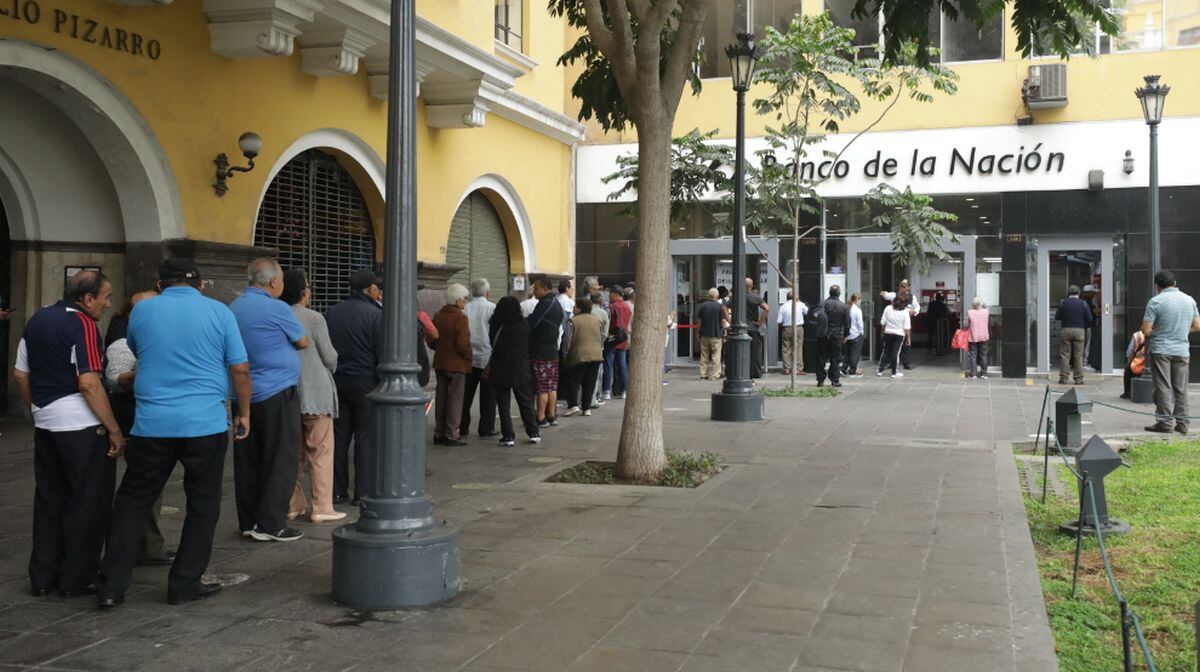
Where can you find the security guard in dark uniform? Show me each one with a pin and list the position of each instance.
(60, 365)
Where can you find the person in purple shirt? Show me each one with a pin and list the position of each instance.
(265, 462)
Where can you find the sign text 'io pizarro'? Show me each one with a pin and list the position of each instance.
(81, 28)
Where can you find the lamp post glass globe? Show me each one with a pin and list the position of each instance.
(1153, 97)
(250, 143)
(743, 56)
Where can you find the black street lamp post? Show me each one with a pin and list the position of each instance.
(737, 401)
(1153, 97)
(395, 555)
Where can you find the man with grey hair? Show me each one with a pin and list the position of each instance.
(265, 462)
(712, 328)
(479, 313)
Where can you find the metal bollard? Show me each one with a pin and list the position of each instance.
(1096, 460)
(1068, 419)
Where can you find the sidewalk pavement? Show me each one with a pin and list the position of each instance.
(881, 531)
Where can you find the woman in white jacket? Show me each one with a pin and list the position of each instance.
(897, 332)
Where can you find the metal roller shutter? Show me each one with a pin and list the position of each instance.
(314, 214)
(477, 244)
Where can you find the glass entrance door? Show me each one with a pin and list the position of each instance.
(1086, 264)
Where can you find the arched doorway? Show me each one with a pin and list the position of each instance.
(478, 245)
(316, 217)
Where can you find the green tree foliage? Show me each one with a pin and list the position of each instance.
(696, 172)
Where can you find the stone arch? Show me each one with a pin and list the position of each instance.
(513, 216)
(355, 155)
(145, 187)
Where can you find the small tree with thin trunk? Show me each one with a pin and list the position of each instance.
(637, 57)
(815, 81)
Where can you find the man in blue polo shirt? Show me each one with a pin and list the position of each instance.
(265, 463)
(1170, 317)
(187, 348)
(60, 362)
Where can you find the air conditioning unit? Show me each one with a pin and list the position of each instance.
(1046, 86)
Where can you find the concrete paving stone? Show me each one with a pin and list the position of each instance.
(106, 654)
(606, 659)
(654, 550)
(572, 606)
(601, 548)
(769, 620)
(481, 576)
(888, 629)
(897, 553)
(658, 569)
(29, 649)
(967, 591)
(938, 573)
(863, 604)
(755, 651)
(34, 616)
(926, 659)
(565, 566)
(702, 584)
(616, 586)
(649, 628)
(854, 653)
(532, 652)
(326, 661)
(807, 597)
(960, 635)
(432, 650)
(982, 557)
(536, 545)
(99, 624)
(954, 611)
(878, 585)
(863, 566)
(453, 619)
(197, 658)
(697, 663)
(511, 560)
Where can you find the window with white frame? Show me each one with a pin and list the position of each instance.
(1143, 25)
(866, 29)
(510, 25)
(726, 19)
(958, 40)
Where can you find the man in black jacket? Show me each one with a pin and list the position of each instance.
(1076, 317)
(356, 331)
(830, 347)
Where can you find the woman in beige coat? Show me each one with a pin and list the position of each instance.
(583, 360)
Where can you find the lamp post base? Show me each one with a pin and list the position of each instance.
(1114, 526)
(738, 407)
(394, 571)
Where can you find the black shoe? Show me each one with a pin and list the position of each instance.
(820, 383)
(837, 384)
(42, 592)
(109, 600)
(439, 441)
(488, 435)
(1181, 429)
(908, 367)
(454, 442)
(1158, 428)
(1124, 396)
(89, 589)
(286, 534)
(552, 422)
(340, 499)
(543, 424)
(206, 590)
(167, 558)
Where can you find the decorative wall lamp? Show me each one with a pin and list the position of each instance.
(250, 144)
(1128, 162)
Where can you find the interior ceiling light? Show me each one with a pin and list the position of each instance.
(970, 199)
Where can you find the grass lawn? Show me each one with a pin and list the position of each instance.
(1157, 565)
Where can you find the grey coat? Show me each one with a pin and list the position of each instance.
(318, 394)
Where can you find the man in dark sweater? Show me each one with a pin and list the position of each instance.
(356, 331)
(1076, 317)
(712, 327)
(829, 349)
(545, 334)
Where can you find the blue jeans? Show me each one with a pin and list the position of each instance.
(615, 370)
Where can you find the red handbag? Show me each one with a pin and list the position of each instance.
(961, 339)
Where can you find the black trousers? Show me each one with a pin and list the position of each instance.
(581, 385)
(756, 353)
(352, 424)
(906, 354)
(149, 462)
(265, 463)
(892, 346)
(853, 355)
(124, 409)
(71, 505)
(830, 364)
(487, 404)
(524, 395)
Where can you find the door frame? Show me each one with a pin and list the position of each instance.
(858, 245)
(723, 247)
(1048, 244)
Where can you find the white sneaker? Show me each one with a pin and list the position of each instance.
(535, 440)
(898, 374)
(878, 374)
(507, 443)
(587, 413)
(983, 377)
(607, 396)
(598, 402)
(621, 395)
(574, 410)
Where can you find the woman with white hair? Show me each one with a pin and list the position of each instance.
(977, 342)
(452, 362)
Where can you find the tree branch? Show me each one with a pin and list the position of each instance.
(683, 51)
(615, 44)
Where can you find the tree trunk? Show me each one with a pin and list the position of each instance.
(795, 295)
(641, 455)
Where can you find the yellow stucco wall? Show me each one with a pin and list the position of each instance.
(197, 104)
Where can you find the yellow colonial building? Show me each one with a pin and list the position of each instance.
(1075, 211)
(113, 114)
